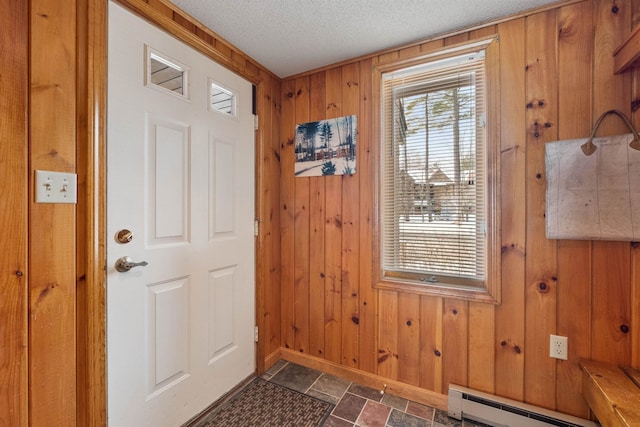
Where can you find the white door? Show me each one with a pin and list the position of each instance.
(180, 178)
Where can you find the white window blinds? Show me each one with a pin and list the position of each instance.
(434, 185)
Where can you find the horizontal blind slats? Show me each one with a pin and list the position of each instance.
(433, 168)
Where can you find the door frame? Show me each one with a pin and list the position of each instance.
(91, 209)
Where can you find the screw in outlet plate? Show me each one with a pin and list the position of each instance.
(558, 347)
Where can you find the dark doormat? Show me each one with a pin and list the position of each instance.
(262, 403)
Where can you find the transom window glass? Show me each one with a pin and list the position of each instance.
(221, 99)
(434, 186)
(166, 74)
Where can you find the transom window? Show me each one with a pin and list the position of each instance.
(222, 100)
(166, 74)
(434, 186)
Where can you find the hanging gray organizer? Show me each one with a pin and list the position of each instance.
(593, 186)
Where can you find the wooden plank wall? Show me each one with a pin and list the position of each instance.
(14, 86)
(52, 305)
(52, 246)
(556, 78)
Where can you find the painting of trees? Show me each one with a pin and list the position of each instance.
(326, 147)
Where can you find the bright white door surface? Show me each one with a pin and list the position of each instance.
(180, 177)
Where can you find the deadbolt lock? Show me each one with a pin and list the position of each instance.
(124, 236)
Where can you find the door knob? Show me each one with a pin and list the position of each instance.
(125, 264)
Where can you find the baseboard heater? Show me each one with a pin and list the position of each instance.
(465, 403)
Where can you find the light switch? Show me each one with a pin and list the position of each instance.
(56, 187)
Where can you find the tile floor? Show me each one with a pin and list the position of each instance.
(356, 405)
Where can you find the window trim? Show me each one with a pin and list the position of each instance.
(491, 292)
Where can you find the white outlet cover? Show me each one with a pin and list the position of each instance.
(558, 347)
(56, 187)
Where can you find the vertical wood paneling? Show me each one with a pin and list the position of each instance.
(13, 214)
(388, 335)
(301, 232)
(333, 233)
(52, 281)
(635, 251)
(482, 347)
(269, 146)
(287, 212)
(555, 79)
(409, 338)
(540, 270)
(317, 232)
(351, 231)
(431, 314)
(367, 142)
(482, 318)
(611, 260)
(575, 47)
(510, 335)
(455, 350)
(90, 221)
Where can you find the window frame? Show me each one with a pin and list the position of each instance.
(491, 291)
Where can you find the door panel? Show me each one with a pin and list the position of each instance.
(180, 176)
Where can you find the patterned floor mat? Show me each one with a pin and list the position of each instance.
(262, 403)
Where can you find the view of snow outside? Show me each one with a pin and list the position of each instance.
(435, 216)
(326, 147)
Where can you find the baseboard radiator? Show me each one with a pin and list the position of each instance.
(465, 403)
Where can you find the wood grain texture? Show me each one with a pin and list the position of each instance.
(614, 398)
(635, 248)
(90, 221)
(575, 49)
(611, 311)
(269, 138)
(455, 344)
(555, 77)
(14, 87)
(510, 315)
(540, 272)
(351, 231)
(52, 279)
(333, 233)
(317, 206)
(366, 169)
(287, 215)
(301, 232)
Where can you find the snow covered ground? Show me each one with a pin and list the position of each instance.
(314, 168)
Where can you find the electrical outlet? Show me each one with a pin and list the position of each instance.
(558, 347)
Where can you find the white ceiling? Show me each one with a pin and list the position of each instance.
(292, 36)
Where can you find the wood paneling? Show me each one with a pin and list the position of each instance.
(53, 84)
(540, 266)
(14, 87)
(52, 279)
(556, 77)
(90, 221)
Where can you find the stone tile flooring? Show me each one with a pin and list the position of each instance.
(356, 405)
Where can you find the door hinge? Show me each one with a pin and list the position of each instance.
(255, 333)
(256, 122)
(256, 227)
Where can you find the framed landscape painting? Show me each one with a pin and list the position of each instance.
(326, 147)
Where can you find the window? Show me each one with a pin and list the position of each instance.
(437, 229)
(222, 99)
(166, 74)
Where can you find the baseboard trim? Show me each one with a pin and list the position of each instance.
(271, 359)
(407, 391)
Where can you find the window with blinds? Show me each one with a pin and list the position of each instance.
(434, 185)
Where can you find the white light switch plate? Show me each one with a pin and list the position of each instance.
(56, 187)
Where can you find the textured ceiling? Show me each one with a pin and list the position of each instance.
(292, 36)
